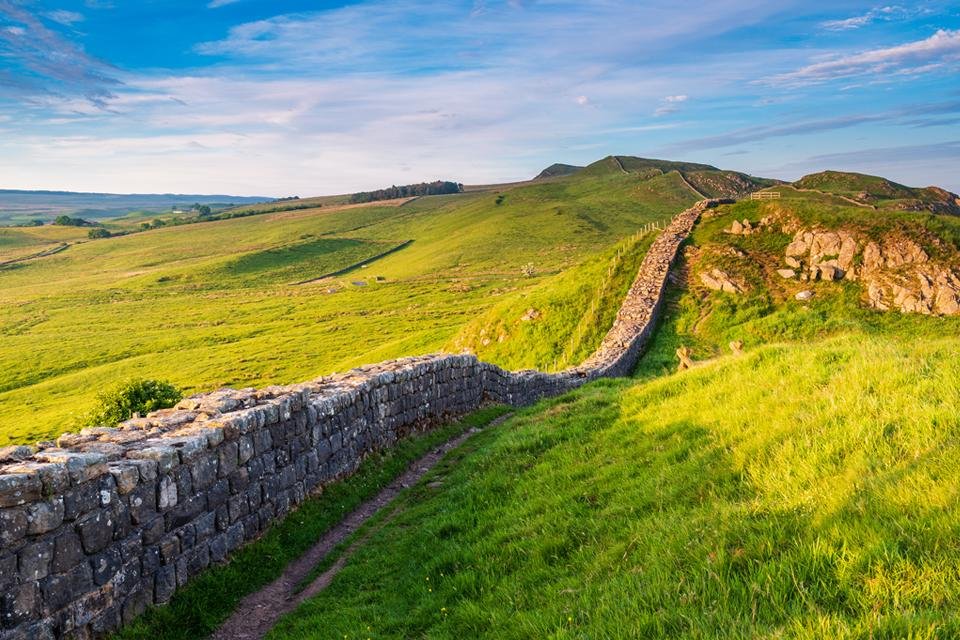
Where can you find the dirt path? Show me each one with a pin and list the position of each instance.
(258, 612)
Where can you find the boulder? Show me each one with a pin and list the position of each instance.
(786, 273)
(803, 296)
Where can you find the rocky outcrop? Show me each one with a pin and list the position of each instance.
(897, 273)
(103, 523)
(720, 281)
(746, 228)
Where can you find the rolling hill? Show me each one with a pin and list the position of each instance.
(214, 304)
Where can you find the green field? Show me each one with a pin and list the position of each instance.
(215, 304)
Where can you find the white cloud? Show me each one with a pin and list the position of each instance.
(920, 56)
(216, 4)
(583, 101)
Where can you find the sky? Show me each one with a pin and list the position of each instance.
(273, 98)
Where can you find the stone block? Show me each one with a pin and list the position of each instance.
(19, 488)
(67, 552)
(13, 525)
(19, 604)
(59, 590)
(96, 531)
(126, 475)
(106, 565)
(34, 561)
(81, 467)
(166, 493)
(44, 516)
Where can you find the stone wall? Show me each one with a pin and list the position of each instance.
(109, 521)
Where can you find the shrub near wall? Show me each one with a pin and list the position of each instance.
(110, 520)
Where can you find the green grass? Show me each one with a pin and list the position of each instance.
(213, 304)
(799, 491)
(585, 297)
(199, 608)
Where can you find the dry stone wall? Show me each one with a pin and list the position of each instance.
(101, 524)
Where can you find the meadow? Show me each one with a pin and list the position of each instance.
(216, 304)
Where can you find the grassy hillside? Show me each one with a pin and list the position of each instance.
(215, 304)
(804, 489)
(881, 193)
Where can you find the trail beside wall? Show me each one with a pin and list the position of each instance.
(109, 521)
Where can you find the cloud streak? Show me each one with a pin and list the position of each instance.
(920, 56)
(43, 64)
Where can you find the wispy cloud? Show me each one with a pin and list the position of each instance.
(64, 17)
(669, 104)
(875, 14)
(42, 63)
(216, 4)
(808, 127)
(920, 56)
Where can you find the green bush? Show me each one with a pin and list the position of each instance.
(99, 232)
(134, 397)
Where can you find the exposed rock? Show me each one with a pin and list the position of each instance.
(531, 314)
(683, 354)
(803, 296)
(787, 273)
(720, 281)
(897, 272)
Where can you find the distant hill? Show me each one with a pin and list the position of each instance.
(558, 169)
(881, 193)
(17, 205)
(704, 180)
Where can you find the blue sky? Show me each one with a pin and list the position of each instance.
(279, 98)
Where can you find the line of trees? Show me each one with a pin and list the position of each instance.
(408, 191)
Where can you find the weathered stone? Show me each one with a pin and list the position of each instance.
(19, 488)
(126, 475)
(34, 560)
(804, 295)
(165, 457)
(166, 493)
(13, 526)
(61, 590)
(15, 453)
(96, 531)
(19, 604)
(106, 565)
(67, 552)
(45, 516)
(787, 273)
(81, 466)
